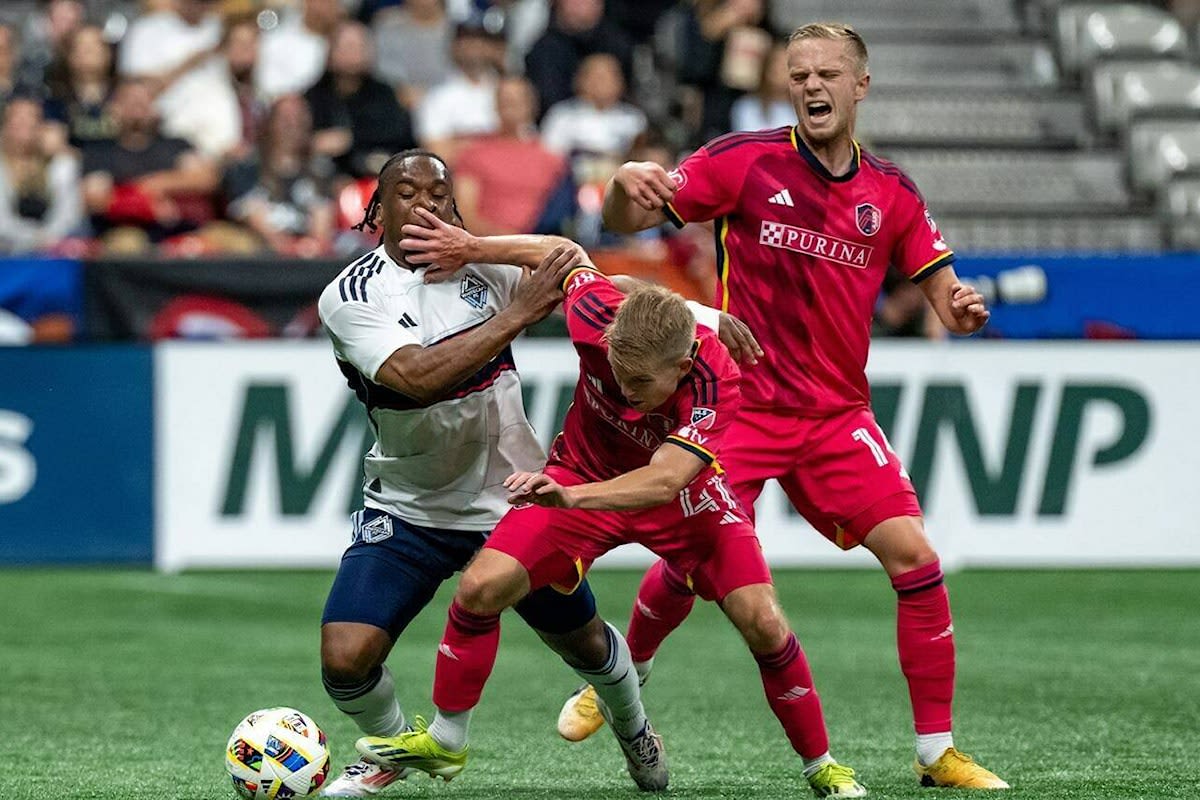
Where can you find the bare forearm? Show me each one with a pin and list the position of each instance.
(428, 373)
(645, 487)
(521, 249)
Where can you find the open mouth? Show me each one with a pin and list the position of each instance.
(818, 110)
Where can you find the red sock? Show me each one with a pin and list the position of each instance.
(788, 683)
(465, 658)
(663, 603)
(925, 639)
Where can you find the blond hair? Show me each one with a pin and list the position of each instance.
(653, 327)
(836, 31)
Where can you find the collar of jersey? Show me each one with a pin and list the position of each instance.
(818, 167)
(382, 252)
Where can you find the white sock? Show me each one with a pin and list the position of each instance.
(616, 684)
(643, 670)
(930, 746)
(811, 765)
(449, 729)
(372, 704)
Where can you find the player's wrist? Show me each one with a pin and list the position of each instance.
(473, 249)
(570, 496)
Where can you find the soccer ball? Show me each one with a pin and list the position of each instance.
(275, 754)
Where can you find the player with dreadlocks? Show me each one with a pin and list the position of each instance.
(432, 363)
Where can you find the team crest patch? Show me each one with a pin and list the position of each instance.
(679, 177)
(474, 291)
(376, 530)
(868, 218)
(702, 418)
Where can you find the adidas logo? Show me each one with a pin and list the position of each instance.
(782, 198)
(730, 518)
(794, 693)
(645, 610)
(407, 322)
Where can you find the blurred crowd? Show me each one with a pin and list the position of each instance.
(201, 127)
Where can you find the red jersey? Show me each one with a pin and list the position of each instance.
(603, 436)
(801, 256)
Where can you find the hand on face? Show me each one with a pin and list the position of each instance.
(432, 242)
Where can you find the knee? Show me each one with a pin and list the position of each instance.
(767, 631)
(762, 624)
(346, 661)
(482, 593)
(919, 553)
(583, 648)
(901, 545)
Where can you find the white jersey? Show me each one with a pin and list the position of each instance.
(439, 464)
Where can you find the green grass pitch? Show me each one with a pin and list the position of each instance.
(126, 684)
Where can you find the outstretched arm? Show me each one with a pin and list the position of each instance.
(671, 468)
(447, 248)
(427, 373)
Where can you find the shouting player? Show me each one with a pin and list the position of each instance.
(806, 225)
(432, 364)
(636, 462)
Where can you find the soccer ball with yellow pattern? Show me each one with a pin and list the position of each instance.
(275, 754)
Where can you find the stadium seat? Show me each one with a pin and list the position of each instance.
(1020, 181)
(1047, 233)
(1123, 90)
(880, 19)
(1180, 204)
(1159, 150)
(967, 117)
(1089, 32)
(1001, 64)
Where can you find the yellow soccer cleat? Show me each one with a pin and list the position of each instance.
(836, 780)
(957, 770)
(580, 716)
(413, 750)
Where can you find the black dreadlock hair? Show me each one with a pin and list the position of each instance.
(368, 220)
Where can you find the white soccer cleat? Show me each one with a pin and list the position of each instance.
(364, 779)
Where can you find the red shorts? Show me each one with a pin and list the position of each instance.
(839, 472)
(704, 534)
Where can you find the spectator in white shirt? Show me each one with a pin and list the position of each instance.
(292, 57)
(769, 106)
(175, 51)
(595, 120)
(463, 105)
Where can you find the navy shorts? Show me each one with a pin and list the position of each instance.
(393, 568)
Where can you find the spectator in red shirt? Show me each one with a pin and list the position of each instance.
(504, 180)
